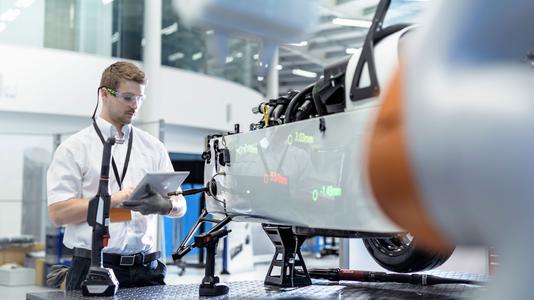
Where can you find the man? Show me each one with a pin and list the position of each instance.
(73, 178)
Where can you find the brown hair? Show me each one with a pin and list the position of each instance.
(121, 70)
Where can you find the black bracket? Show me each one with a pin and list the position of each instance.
(322, 125)
(293, 271)
(222, 154)
(367, 57)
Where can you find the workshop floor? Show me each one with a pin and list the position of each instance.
(191, 275)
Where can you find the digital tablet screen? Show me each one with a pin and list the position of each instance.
(162, 183)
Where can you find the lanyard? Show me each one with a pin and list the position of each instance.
(119, 179)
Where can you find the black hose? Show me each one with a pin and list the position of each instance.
(305, 110)
(293, 104)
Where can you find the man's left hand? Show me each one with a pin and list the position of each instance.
(153, 203)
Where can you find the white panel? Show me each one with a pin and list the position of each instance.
(295, 174)
(11, 160)
(185, 139)
(10, 216)
(13, 127)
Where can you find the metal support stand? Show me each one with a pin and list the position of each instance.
(210, 285)
(182, 265)
(293, 271)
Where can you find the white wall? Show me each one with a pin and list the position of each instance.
(208, 103)
(48, 91)
(62, 82)
(184, 139)
(40, 80)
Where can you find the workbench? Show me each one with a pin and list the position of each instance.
(321, 289)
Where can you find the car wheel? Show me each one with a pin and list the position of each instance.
(401, 254)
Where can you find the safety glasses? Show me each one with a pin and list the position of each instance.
(126, 98)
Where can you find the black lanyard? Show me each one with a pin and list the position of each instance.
(119, 179)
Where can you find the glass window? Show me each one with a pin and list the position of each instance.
(194, 49)
(115, 28)
(101, 27)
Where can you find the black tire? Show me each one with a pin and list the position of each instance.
(400, 254)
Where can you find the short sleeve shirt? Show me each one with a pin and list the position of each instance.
(75, 171)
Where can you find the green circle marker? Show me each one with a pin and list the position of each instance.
(315, 195)
(290, 139)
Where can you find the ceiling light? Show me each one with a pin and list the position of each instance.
(279, 67)
(170, 29)
(299, 44)
(303, 73)
(352, 50)
(260, 78)
(176, 56)
(256, 56)
(10, 15)
(239, 55)
(352, 22)
(197, 56)
(209, 32)
(229, 59)
(106, 1)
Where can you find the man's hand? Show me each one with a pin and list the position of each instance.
(119, 197)
(153, 203)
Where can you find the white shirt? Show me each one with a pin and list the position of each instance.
(75, 171)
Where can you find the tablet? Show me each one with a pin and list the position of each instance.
(162, 183)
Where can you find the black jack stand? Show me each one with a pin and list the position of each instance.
(293, 271)
(210, 285)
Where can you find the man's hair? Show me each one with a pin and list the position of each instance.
(121, 70)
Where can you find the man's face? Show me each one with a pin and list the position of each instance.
(123, 106)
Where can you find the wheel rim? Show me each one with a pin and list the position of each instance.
(394, 246)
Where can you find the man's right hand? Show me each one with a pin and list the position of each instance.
(118, 197)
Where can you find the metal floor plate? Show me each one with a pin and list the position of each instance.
(319, 290)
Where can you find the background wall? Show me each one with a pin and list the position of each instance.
(64, 83)
(46, 91)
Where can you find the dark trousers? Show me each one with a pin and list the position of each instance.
(152, 273)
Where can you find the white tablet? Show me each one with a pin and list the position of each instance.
(162, 183)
